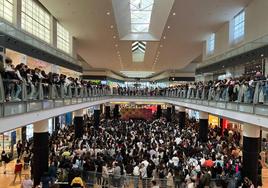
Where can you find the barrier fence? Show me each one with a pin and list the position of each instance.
(94, 179)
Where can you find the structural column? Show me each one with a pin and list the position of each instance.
(168, 115)
(57, 122)
(107, 112)
(97, 112)
(203, 126)
(40, 150)
(158, 112)
(101, 107)
(173, 111)
(23, 134)
(78, 123)
(182, 117)
(116, 111)
(251, 142)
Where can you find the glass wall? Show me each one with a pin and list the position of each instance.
(35, 20)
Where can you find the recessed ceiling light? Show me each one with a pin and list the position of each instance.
(161, 45)
(114, 37)
(174, 14)
(108, 13)
(164, 37)
(262, 55)
(168, 27)
(112, 26)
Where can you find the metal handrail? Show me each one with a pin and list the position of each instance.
(128, 180)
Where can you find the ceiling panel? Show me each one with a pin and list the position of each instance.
(93, 24)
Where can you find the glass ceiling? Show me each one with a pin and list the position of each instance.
(141, 11)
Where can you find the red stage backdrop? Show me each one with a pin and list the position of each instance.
(136, 113)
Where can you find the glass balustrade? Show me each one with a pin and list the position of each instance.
(20, 96)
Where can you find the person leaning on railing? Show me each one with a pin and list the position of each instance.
(11, 79)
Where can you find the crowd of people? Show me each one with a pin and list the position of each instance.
(144, 154)
(247, 89)
(140, 153)
(252, 89)
(14, 77)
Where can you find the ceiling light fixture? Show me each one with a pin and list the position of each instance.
(168, 27)
(114, 37)
(161, 45)
(108, 13)
(112, 26)
(164, 37)
(174, 14)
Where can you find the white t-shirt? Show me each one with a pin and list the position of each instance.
(136, 171)
(27, 183)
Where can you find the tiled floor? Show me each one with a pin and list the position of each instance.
(6, 180)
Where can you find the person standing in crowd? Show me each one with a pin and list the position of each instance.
(17, 170)
(5, 160)
(27, 182)
(19, 149)
(154, 184)
(136, 174)
(52, 172)
(170, 182)
(105, 175)
(45, 180)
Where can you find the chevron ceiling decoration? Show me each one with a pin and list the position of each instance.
(138, 51)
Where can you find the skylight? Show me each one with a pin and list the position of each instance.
(141, 11)
(137, 74)
(138, 51)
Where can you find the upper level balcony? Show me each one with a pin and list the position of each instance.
(22, 103)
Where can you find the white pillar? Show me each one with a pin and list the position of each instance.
(182, 109)
(252, 131)
(79, 112)
(203, 115)
(41, 126)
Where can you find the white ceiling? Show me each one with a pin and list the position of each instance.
(97, 35)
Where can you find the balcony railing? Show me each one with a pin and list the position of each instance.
(18, 97)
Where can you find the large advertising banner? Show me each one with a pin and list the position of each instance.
(136, 113)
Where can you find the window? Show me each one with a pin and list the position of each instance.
(6, 10)
(35, 20)
(211, 43)
(238, 26)
(140, 12)
(63, 39)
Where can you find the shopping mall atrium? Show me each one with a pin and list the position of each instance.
(133, 93)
